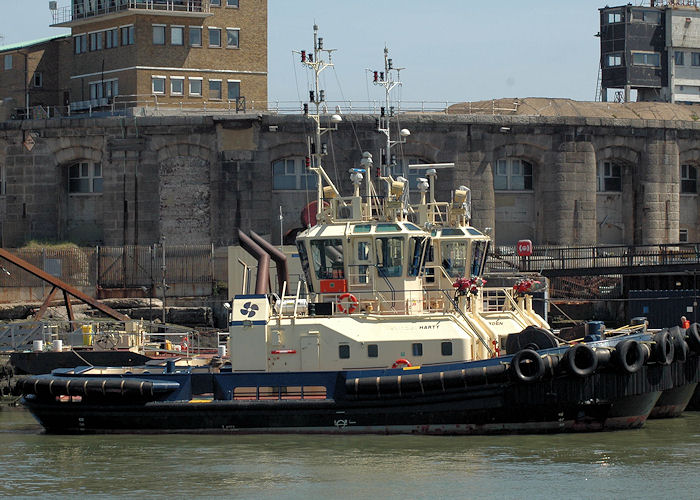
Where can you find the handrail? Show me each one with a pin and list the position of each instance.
(468, 321)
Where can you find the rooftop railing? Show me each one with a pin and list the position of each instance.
(80, 10)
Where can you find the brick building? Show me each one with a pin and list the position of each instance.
(128, 53)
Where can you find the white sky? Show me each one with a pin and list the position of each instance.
(453, 50)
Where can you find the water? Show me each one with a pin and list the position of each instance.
(660, 460)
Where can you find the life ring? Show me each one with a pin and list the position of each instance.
(401, 361)
(352, 303)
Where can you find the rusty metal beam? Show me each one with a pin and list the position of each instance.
(69, 307)
(62, 285)
(45, 304)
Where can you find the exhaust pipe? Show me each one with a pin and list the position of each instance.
(263, 259)
(279, 258)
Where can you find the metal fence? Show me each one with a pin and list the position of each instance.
(114, 267)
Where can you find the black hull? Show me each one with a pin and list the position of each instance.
(673, 402)
(605, 401)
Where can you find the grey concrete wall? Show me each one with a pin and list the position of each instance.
(198, 179)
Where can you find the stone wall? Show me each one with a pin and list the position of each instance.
(199, 179)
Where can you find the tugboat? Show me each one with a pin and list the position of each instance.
(392, 331)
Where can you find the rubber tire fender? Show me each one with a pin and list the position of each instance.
(680, 345)
(581, 360)
(692, 335)
(527, 366)
(664, 348)
(629, 356)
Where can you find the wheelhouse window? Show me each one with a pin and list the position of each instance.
(689, 179)
(290, 174)
(85, 177)
(480, 249)
(454, 257)
(415, 251)
(614, 17)
(609, 177)
(513, 174)
(646, 16)
(646, 59)
(327, 258)
(390, 256)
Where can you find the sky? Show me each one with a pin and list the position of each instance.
(453, 50)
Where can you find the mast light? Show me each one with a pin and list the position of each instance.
(336, 118)
(405, 132)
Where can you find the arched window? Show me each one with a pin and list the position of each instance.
(512, 174)
(609, 176)
(291, 174)
(85, 177)
(689, 179)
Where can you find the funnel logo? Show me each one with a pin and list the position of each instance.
(249, 309)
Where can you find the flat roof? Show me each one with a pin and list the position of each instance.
(22, 45)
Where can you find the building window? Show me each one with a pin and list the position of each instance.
(689, 179)
(646, 59)
(344, 351)
(372, 351)
(215, 3)
(695, 58)
(291, 174)
(682, 234)
(215, 37)
(646, 16)
(177, 35)
(177, 85)
(513, 174)
(3, 181)
(215, 89)
(417, 349)
(195, 87)
(8, 61)
(80, 42)
(678, 58)
(112, 38)
(232, 38)
(446, 348)
(96, 41)
(609, 177)
(107, 88)
(38, 80)
(614, 17)
(158, 34)
(195, 36)
(233, 90)
(85, 177)
(158, 84)
(232, 3)
(612, 60)
(128, 36)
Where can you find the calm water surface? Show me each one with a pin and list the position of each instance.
(661, 460)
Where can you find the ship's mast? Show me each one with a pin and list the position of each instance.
(316, 61)
(389, 79)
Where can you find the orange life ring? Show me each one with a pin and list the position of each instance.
(352, 306)
(401, 361)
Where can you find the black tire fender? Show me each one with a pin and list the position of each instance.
(581, 360)
(692, 335)
(629, 356)
(664, 348)
(679, 343)
(527, 366)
